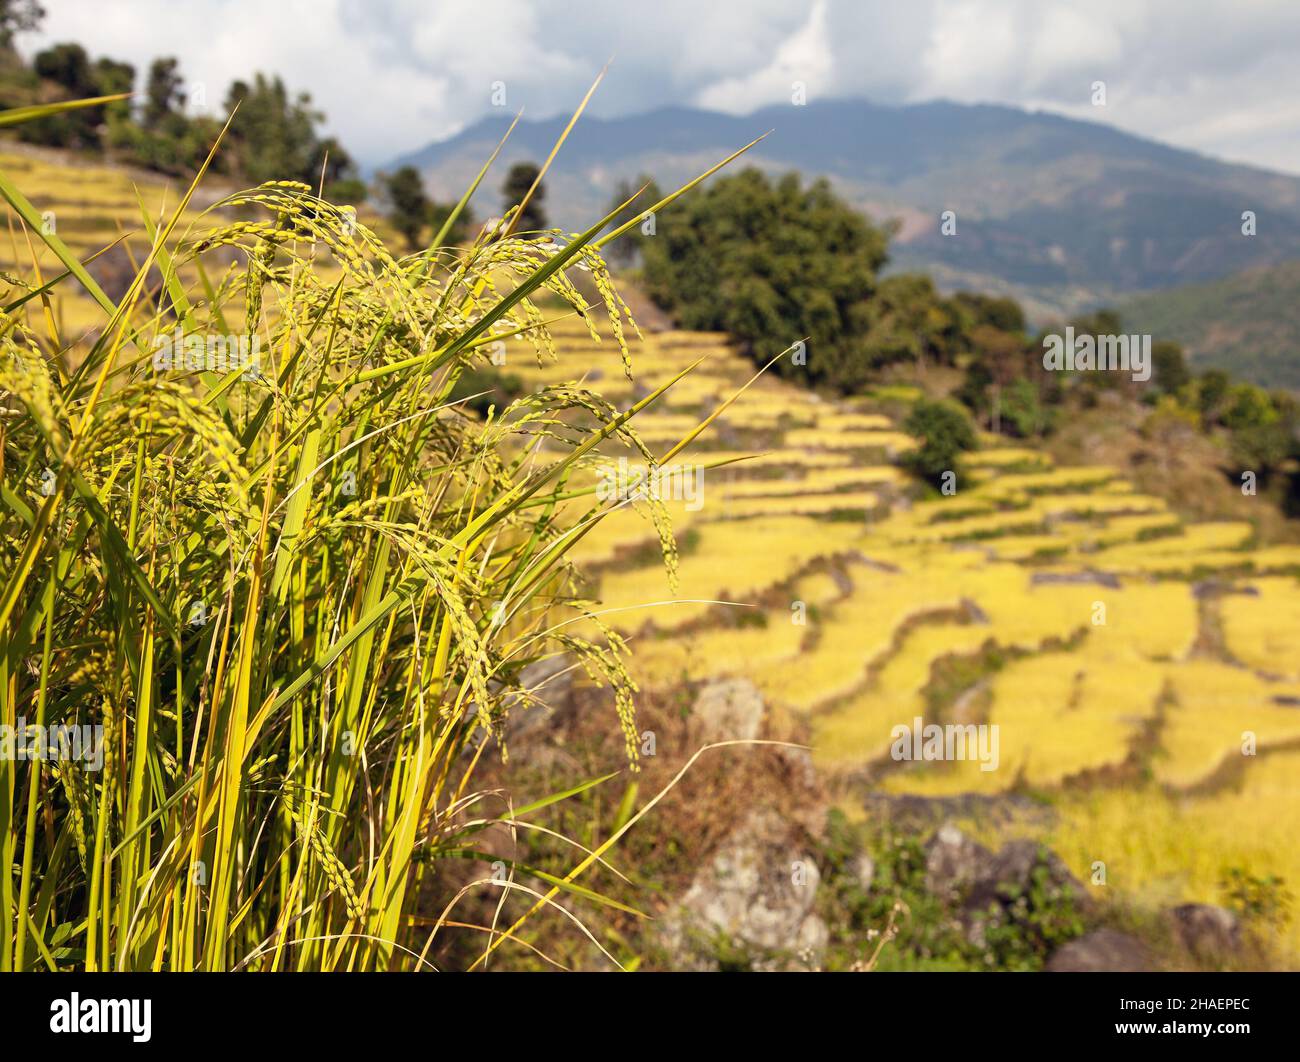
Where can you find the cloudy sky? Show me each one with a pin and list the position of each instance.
(1218, 77)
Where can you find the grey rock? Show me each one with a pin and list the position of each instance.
(974, 879)
(1207, 931)
(1011, 872)
(758, 892)
(954, 863)
(1101, 951)
(728, 710)
(864, 871)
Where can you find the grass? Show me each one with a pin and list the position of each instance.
(298, 601)
(1129, 730)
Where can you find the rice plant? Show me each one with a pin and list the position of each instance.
(293, 581)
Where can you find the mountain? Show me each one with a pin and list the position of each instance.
(1247, 323)
(1059, 212)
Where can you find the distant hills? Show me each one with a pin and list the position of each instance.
(1063, 214)
(1248, 323)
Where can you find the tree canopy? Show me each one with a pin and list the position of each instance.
(519, 179)
(275, 134)
(772, 262)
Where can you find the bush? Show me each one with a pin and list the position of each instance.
(1169, 367)
(1024, 412)
(945, 432)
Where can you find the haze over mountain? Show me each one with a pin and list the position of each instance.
(1061, 213)
(1247, 323)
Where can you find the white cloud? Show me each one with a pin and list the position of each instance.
(395, 74)
(804, 59)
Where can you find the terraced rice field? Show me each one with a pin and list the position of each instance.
(1126, 657)
(91, 207)
(88, 207)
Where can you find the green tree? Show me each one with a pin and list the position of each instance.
(18, 16)
(66, 65)
(1248, 406)
(997, 359)
(461, 228)
(273, 136)
(334, 168)
(1023, 412)
(519, 179)
(643, 193)
(163, 94)
(1212, 388)
(65, 73)
(1002, 313)
(1169, 366)
(910, 322)
(773, 262)
(112, 78)
(945, 432)
(409, 207)
(1261, 448)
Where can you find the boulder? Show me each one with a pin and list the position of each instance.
(981, 887)
(1011, 871)
(1207, 931)
(1101, 951)
(954, 863)
(728, 710)
(756, 894)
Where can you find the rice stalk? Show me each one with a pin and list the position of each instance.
(296, 597)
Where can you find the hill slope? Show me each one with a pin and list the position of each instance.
(983, 606)
(1247, 323)
(1059, 212)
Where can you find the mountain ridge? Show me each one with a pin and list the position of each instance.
(1245, 323)
(1063, 213)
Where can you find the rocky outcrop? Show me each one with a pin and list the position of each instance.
(1101, 951)
(1209, 933)
(972, 878)
(988, 890)
(753, 899)
(728, 710)
(954, 863)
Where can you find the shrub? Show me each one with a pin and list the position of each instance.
(1169, 367)
(1263, 904)
(945, 432)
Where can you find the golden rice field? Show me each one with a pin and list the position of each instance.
(1121, 694)
(91, 207)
